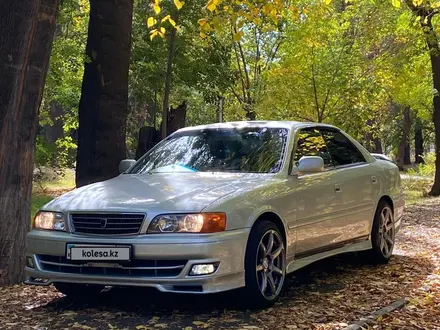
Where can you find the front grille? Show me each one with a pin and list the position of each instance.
(107, 223)
(134, 268)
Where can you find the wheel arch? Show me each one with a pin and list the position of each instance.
(274, 218)
(387, 199)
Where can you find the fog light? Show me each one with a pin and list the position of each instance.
(30, 262)
(203, 269)
(40, 280)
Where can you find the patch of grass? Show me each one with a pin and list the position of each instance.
(49, 186)
(415, 189)
(38, 200)
(66, 181)
(427, 169)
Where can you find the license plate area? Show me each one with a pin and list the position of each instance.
(87, 252)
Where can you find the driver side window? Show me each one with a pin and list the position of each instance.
(311, 143)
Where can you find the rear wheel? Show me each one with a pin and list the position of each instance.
(265, 265)
(77, 290)
(383, 234)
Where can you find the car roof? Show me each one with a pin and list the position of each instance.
(257, 123)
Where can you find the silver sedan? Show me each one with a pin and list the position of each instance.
(218, 207)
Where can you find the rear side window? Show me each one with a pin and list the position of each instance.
(311, 143)
(341, 150)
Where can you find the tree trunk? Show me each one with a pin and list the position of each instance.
(418, 142)
(55, 131)
(168, 78)
(249, 110)
(377, 145)
(27, 28)
(176, 118)
(404, 139)
(407, 154)
(148, 137)
(434, 52)
(407, 129)
(220, 109)
(435, 60)
(103, 107)
(426, 13)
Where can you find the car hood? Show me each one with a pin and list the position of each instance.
(171, 192)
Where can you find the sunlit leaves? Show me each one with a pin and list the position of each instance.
(238, 35)
(417, 2)
(156, 8)
(168, 19)
(227, 11)
(157, 32)
(179, 4)
(151, 21)
(161, 30)
(327, 2)
(212, 5)
(395, 3)
(205, 27)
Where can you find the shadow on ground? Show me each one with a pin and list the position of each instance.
(329, 293)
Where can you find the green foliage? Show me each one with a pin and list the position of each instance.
(39, 200)
(201, 69)
(415, 189)
(44, 152)
(341, 62)
(427, 169)
(63, 84)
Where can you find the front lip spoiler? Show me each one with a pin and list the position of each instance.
(194, 285)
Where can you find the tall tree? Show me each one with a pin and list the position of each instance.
(418, 142)
(103, 107)
(168, 80)
(403, 149)
(27, 28)
(426, 12)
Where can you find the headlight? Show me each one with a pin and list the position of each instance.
(49, 220)
(188, 223)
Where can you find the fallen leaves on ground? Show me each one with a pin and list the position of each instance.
(329, 294)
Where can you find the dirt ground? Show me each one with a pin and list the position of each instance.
(326, 295)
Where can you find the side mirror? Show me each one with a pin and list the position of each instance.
(311, 164)
(125, 165)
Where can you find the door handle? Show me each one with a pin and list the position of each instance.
(338, 188)
(374, 179)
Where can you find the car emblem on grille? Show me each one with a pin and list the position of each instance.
(103, 223)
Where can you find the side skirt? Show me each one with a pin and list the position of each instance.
(308, 257)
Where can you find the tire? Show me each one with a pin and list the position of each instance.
(383, 235)
(78, 291)
(265, 270)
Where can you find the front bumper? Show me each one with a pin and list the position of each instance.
(227, 249)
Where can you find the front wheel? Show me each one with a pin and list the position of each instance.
(264, 265)
(382, 234)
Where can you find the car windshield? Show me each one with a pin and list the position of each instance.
(248, 150)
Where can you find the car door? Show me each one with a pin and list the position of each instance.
(316, 200)
(357, 184)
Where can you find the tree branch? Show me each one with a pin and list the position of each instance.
(239, 68)
(245, 69)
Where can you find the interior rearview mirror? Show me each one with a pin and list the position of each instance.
(125, 165)
(311, 164)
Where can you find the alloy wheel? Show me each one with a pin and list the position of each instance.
(270, 264)
(386, 232)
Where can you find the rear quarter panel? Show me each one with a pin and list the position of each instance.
(390, 185)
